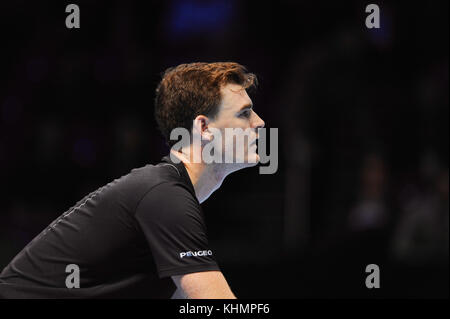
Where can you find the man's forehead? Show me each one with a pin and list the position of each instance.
(234, 93)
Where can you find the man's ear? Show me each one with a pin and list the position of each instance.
(200, 126)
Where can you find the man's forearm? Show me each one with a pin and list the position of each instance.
(203, 285)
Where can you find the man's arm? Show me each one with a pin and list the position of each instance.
(204, 285)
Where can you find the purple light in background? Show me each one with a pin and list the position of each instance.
(383, 36)
(199, 16)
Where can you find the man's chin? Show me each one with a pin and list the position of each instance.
(244, 164)
(252, 160)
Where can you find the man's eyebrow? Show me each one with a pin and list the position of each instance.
(246, 106)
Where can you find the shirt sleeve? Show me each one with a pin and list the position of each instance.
(173, 224)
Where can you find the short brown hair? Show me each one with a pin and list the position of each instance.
(193, 89)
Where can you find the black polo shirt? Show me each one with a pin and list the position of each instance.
(126, 239)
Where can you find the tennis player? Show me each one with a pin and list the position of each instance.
(143, 235)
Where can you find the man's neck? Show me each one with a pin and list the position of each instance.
(206, 178)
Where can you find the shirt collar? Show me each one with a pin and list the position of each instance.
(182, 172)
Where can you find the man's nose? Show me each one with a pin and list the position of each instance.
(257, 122)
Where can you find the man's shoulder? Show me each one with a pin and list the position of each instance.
(168, 188)
(147, 177)
(162, 182)
(170, 201)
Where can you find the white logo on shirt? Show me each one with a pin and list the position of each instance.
(196, 253)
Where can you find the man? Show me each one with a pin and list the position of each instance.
(143, 235)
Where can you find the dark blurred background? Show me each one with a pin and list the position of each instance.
(362, 116)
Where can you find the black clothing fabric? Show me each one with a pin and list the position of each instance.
(126, 238)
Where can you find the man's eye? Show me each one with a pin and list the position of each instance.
(245, 114)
